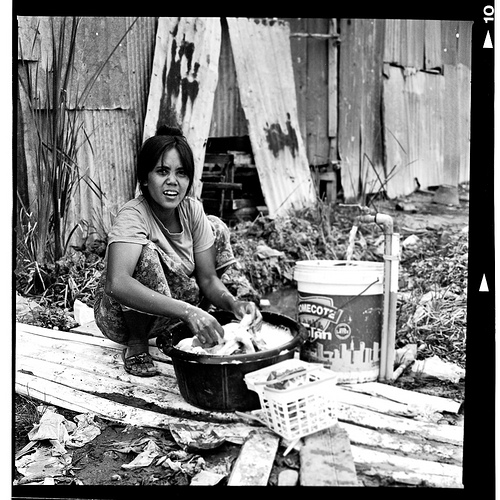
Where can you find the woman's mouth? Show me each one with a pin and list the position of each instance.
(170, 193)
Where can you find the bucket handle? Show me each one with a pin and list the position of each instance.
(359, 294)
(350, 300)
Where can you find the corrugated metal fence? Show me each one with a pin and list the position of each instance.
(389, 100)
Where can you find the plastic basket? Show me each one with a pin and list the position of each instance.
(301, 410)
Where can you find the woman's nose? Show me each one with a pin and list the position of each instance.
(171, 178)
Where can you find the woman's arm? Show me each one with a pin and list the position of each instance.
(216, 292)
(120, 284)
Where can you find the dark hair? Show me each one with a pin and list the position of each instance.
(153, 148)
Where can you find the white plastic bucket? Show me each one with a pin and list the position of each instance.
(340, 303)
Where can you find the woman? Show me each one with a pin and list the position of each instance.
(163, 250)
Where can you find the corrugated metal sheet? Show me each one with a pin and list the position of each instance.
(109, 160)
(310, 66)
(114, 112)
(414, 129)
(185, 73)
(140, 49)
(228, 118)
(457, 100)
(264, 70)
(432, 44)
(404, 42)
(456, 40)
(360, 136)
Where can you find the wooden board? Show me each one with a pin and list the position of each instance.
(262, 57)
(406, 470)
(326, 459)
(255, 461)
(93, 366)
(359, 101)
(396, 436)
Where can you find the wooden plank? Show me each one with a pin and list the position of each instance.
(254, 463)
(157, 395)
(89, 367)
(359, 137)
(369, 402)
(333, 83)
(411, 398)
(184, 79)
(404, 426)
(406, 470)
(56, 394)
(409, 445)
(95, 339)
(326, 459)
(350, 100)
(223, 185)
(317, 93)
(264, 70)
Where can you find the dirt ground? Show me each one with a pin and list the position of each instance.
(100, 462)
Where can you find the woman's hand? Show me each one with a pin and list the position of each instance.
(241, 307)
(203, 326)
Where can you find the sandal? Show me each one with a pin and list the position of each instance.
(140, 365)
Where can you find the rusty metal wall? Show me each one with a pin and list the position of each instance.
(427, 103)
(114, 112)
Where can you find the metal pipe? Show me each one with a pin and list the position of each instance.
(388, 334)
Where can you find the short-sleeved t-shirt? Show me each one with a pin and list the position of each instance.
(137, 223)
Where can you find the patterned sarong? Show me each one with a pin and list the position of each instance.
(156, 270)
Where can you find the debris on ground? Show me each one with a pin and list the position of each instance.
(436, 367)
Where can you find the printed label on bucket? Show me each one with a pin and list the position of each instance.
(344, 332)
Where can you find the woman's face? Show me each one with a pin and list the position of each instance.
(168, 182)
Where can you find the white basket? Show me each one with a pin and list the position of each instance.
(298, 411)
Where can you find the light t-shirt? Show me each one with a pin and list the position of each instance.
(137, 223)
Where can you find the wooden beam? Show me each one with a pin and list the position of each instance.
(255, 461)
(410, 398)
(410, 445)
(223, 185)
(326, 459)
(390, 467)
(379, 421)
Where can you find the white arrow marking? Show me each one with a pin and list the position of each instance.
(488, 44)
(484, 285)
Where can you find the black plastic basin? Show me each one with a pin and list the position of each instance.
(216, 383)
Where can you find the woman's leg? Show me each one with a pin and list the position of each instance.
(134, 328)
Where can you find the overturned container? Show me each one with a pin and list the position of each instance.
(340, 303)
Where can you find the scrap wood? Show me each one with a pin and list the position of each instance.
(405, 426)
(255, 461)
(77, 338)
(110, 388)
(326, 459)
(410, 471)
(89, 358)
(410, 445)
(83, 402)
(404, 396)
(343, 395)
